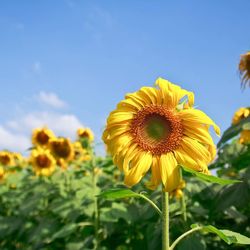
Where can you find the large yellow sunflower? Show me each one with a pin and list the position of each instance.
(41, 136)
(85, 133)
(43, 162)
(244, 67)
(6, 158)
(62, 148)
(158, 128)
(240, 114)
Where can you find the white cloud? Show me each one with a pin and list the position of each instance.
(61, 124)
(51, 99)
(13, 141)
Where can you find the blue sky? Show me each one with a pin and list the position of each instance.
(68, 63)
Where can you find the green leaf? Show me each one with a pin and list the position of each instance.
(118, 193)
(228, 236)
(241, 239)
(210, 178)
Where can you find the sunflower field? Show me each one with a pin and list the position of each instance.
(63, 196)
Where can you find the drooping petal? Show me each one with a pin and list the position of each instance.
(155, 174)
(138, 169)
(195, 149)
(197, 116)
(170, 172)
(185, 160)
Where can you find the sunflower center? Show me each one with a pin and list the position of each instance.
(5, 159)
(157, 129)
(61, 149)
(43, 161)
(42, 138)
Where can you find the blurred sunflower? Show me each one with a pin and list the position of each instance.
(2, 173)
(159, 128)
(85, 133)
(178, 193)
(244, 67)
(240, 114)
(6, 158)
(81, 153)
(41, 136)
(62, 148)
(43, 162)
(245, 136)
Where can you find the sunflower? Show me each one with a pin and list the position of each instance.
(41, 136)
(245, 136)
(85, 133)
(62, 148)
(178, 193)
(43, 162)
(240, 114)
(158, 128)
(2, 173)
(244, 67)
(6, 158)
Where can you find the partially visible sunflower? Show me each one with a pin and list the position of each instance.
(85, 133)
(244, 67)
(178, 193)
(6, 158)
(62, 148)
(245, 136)
(158, 128)
(240, 114)
(43, 162)
(41, 136)
(2, 173)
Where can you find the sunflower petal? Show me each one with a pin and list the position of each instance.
(140, 168)
(170, 173)
(197, 116)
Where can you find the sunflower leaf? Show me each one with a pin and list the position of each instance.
(118, 193)
(210, 178)
(228, 236)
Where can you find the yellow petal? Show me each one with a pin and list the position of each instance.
(117, 117)
(139, 169)
(172, 93)
(195, 150)
(155, 174)
(197, 116)
(170, 173)
(185, 160)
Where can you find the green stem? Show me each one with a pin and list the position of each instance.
(183, 202)
(96, 212)
(183, 236)
(165, 220)
(151, 203)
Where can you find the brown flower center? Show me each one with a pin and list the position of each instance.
(61, 149)
(43, 161)
(157, 129)
(42, 138)
(5, 159)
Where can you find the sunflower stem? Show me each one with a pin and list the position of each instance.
(183, 201)
(165, 220)
(96, 212)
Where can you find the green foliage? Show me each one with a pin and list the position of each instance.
(58, 212)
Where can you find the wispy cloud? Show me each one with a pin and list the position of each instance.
(15, 133)
(37, 67)
(50, 99)
(13, 141)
